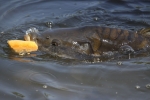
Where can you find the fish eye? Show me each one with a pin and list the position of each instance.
(55, 42)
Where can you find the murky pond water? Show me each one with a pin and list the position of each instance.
(48, 78)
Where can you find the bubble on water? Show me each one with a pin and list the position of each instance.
(95, 18)
(148, 86)
(119, 63)
(36, 90)
(137, 87)
(2, 32)
(44, 86)
(22, 53)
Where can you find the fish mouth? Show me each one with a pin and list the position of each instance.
(31, 34)
(27, 37)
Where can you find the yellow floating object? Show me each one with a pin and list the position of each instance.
(21, 46)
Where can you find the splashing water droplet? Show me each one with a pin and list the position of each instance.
(137, 87)
(119, 63)
(44, 86)
(129, 56)
(148, 86)
(49, 24)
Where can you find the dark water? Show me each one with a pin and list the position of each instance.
(43, 78)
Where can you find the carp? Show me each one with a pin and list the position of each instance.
(95, 41)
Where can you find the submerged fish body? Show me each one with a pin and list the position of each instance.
(89, 41)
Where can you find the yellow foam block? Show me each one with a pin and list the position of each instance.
(20, 46)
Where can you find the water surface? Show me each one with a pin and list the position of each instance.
(49, 78)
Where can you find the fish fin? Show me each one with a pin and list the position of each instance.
(95, 42)
(126, 49)
(85, 47)
(145, 32)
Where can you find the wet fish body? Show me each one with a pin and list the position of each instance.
(90, 40)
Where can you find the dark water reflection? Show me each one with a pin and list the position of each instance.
(35, 78)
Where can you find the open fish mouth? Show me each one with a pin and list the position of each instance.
(31, 34)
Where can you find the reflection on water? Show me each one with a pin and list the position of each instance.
(45, 77)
